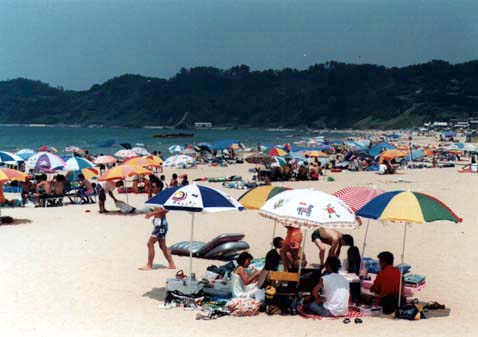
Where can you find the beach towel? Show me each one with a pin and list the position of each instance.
(353, 313)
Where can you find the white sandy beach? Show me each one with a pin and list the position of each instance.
(68, 272)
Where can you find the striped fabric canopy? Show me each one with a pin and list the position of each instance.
(357, 196)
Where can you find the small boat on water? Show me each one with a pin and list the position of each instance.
(174, 135)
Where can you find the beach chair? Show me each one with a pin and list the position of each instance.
(225, 247)
(286, 291)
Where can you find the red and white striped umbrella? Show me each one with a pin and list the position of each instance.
(357, 196)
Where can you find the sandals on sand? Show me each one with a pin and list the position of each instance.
(433, 305)
(356, 321)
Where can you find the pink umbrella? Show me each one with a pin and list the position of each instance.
(356, 197)
(105, 160)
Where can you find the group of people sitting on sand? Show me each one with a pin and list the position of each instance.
(330, 294)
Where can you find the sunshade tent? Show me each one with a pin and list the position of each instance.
(194, 198)
(376, 149)
(45, 160)
(408, 208)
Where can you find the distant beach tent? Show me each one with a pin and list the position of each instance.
(10, 158)
(175, 148)
(45, 160)
(25, 153)
(224, 144)
(376, 149)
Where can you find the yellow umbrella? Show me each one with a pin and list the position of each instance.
(157, 161)
(121, 172)
(141, 161)
(9, 174)
(316, 154)
(90, 172)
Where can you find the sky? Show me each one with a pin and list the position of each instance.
(77, 43)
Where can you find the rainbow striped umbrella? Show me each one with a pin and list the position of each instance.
(407, 207)
(276, 152)
(255, 198)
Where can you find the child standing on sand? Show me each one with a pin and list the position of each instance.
(158, 235)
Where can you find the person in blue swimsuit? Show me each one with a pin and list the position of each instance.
(160, 229)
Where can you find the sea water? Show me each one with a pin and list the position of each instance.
(13, 138)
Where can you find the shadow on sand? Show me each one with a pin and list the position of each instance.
(158, 294)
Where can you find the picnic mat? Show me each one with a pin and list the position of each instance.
(353, 313)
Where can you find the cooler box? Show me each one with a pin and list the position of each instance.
(182, 286)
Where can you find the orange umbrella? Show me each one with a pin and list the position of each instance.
(392, 154)
(316, 154)
(9, 174)
(121, 172)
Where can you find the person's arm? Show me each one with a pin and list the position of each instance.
(316, 291)
(246, 278)
(377, 285)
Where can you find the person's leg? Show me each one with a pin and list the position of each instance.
(321, 247)
(166, 253)
(319, 309)
(152, 240)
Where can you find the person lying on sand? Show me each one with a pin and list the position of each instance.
(158, 235)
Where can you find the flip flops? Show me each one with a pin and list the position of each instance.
(356, 321)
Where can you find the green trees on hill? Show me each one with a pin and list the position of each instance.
(329, 95)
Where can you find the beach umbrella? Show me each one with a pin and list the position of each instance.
(141, 161)
(188, 151)
(89, 173)
(140, 151)
(259, 158)
(73, 149)
(316, 154)
(255, 198)
(126, 153)
(379, 148)
(121, 172)
(309, 209)
(392, 154)
(175, 148)
(10, 158)
(408, 208)
(9, 174)
(416, 154)
(356, 197)
(180, 161)
(103, 160)
(25, 153)
(77, 164)
(46, 148)
(275, 151)
(45, 160)
(279, 162)
(157, 161)
(194, 198)
(224, 144)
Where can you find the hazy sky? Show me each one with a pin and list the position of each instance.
(79, 43)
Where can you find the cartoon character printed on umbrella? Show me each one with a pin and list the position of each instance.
(331, 211)
(304, 209)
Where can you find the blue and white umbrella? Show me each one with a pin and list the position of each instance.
(175, 148)
(179, 161)
(10, 158)
(194, 198)
(141, 151)
(25, 153)
(78, 164)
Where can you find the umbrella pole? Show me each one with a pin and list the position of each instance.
(365, 239)
(191, 251)
(273, 234)
(402, 259)
(302, 249)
